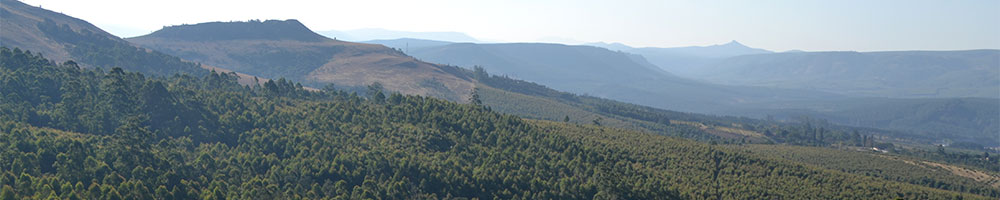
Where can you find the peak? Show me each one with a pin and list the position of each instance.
(240, 30)
(734, 43)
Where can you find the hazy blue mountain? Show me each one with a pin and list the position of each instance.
(908, 74)
(685, 61)
(733, 48)
(627, 77)
(407, 44)
(604, 73)
(383, 34)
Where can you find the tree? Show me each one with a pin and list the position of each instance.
(597, 121)
(566, 119)
(329, 88)
(479, 73)
(113, 194)
(271, 89)
(375, 92)
(474, 98)
(7, 193)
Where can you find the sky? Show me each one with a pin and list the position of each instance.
(778, 25)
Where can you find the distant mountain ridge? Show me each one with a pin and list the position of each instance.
(732, 48)
(407, 44)
(684, 61)
(360, 35)
(603, 73)
(623, 76)
(905, 74)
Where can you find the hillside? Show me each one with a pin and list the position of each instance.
(933, 120)
(361, 35)
(909, 121)
(621, 76)
(603, 73)
(179, 137)
(408, 44)
(686, 61)
(889, 167)
(900, 74)
(275, 49)
(251, 30)
(65, 38)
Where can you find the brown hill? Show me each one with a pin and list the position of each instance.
(62, 38)
(287, 49)
(20, 24)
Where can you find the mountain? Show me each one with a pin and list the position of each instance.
(626, 77)
(407, 44)
(383, 34)
(131, 136)
(928, 120)
(684, 61)
(250, 30)
(900, 74)
(288, 49)
(64, 38)
(603, 73)
(733, 48)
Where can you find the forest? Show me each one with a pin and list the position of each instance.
(68, 132)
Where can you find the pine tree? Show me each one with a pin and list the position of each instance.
(7, 193)
(474, 98)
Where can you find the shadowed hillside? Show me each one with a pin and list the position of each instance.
(250, 30)
(603, 73)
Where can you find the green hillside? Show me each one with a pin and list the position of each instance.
(889, 167)
(72, 133)
(927, 120)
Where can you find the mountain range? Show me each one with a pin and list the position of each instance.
(359, 35)
(602, 73)
(899, 74)
(630, 78)
(685, 61)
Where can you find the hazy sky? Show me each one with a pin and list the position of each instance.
(862, 25)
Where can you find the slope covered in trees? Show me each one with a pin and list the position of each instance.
(907, 169)
(77, 133)
(535, 101)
